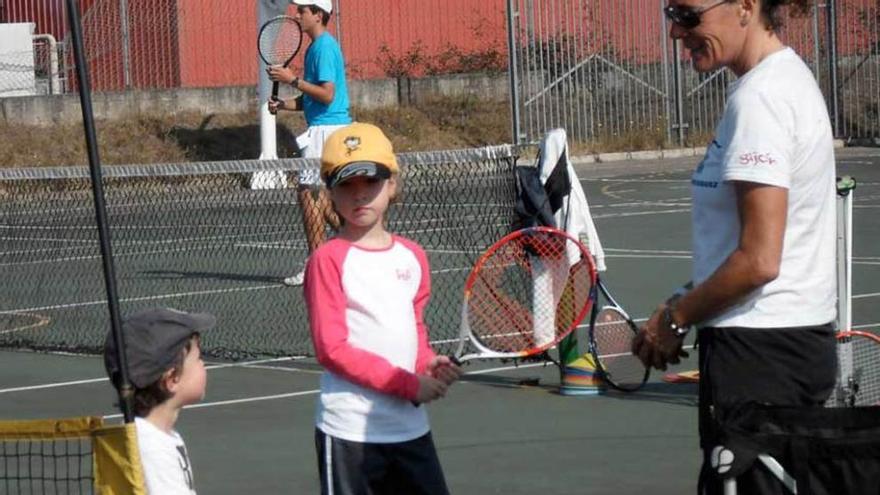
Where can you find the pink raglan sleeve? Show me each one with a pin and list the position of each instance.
(326, 302)
(425, 352)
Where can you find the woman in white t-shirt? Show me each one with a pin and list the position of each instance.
(763, 287)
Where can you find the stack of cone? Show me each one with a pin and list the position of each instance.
(580, 377)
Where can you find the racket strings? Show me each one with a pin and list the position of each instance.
(527, 295)
(279, 40)
(613, 336)
(863, 356)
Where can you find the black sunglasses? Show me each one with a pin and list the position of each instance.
(688, 17)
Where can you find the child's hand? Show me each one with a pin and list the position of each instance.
(443, 369)
(430, 389)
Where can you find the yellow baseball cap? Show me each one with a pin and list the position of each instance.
(357, 150)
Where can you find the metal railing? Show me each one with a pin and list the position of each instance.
(607, 71)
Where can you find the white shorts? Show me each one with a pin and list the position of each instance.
(311, 144)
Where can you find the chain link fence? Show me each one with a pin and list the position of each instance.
(607, 71)
(156, 44)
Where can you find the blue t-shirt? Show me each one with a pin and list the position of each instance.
(324, 64)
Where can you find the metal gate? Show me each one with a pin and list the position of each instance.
(607, 71)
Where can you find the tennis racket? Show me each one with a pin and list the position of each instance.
(278, 43)
(524, 294)
(858, 382)
(611, 335)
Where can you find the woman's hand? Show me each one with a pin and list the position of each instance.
(656, 345)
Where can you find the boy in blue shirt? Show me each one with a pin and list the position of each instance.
(324, 101)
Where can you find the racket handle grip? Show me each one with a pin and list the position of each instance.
(275, 90)
(455, 361)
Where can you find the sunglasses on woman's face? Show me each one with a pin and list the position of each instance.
(688, 17)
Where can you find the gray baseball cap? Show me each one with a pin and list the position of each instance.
(153, 339)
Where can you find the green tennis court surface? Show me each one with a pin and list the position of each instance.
(254, 432)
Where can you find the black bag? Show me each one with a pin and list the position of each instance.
(828, 451)
(532, 204)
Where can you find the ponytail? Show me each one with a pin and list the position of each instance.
(770, 11)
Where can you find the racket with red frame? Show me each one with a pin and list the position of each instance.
(858, 382)
(526, 293)
(278, 43)
(611, 336)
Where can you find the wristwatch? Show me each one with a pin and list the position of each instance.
(295, 82)
(669, 322)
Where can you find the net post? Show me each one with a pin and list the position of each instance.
(845, 187)
(268, 144)
(82, 76)
(267, 9)
(845, 191)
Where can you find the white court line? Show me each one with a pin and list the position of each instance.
(682, 201)
(866, 325)
(116, 255)
(632, 251)
(144, 298)
(285, 369)
(865, 296)
(236, 401)
(176, 294)
(650, 256)
(644, 181)
(99, 380)
(642, 213)
(53, 385)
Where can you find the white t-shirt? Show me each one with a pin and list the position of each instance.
(167, 470)
(775, 130)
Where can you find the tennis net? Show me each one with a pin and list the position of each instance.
(68, 456)
(195, 236)
(46, 466)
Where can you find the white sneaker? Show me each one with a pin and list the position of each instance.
(295, 280)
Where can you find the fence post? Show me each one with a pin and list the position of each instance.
(679, 124)
(513, 70)
(831, 27)
(664, 34)
(126, 53)
(338, 22)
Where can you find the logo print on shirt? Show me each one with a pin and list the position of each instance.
(756, 158)
(183, 461)
(403, 274)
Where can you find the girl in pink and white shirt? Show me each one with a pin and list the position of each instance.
(366, 292)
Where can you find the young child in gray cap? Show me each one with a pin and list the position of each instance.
(165, 368)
